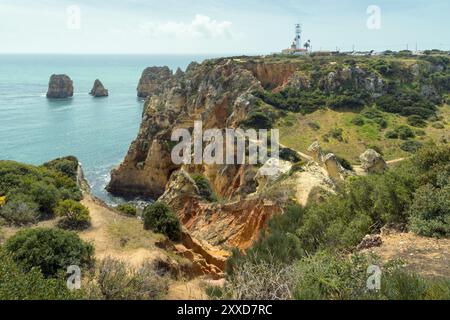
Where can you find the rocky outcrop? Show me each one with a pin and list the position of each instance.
(271, 171)
(152, 81)
(316, 152)
(372, 162)
(355, 77)
(272, 76)
(60, 86)
(218, 94)
(98, 90)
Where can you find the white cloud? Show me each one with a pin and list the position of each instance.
(201, 27)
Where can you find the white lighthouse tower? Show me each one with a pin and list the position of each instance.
(298, 36)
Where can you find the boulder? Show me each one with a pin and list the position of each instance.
(271, 171)
(152, 81)
(334, 168)
(98, 90)
(372, 162)
(60, 86)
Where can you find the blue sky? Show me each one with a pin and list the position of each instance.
(217, 26)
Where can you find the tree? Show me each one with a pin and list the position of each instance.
(74, 215)
(159, 218)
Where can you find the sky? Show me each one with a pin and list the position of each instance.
(220, 26)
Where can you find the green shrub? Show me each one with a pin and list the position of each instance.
(127, 209)
(344, 163)
(411, 146)
(258, 120)
(51, 250)
(46, 196)
(391, 134)
(159, 218)
(326, 276)
(438, 125)
(67, 166)
(416, 121)
(74, 215)
(43, 187)
(20, 210)
(289, 155)
(405, 132)
(204, 187)
(358, 120)
(430, 211)
(15, 284)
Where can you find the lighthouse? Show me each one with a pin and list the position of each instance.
(298, 36)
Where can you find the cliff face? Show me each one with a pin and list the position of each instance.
(219, 93)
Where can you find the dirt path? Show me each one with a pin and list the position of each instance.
(118, 236)
(427, 256)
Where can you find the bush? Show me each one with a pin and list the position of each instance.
(438, 125)
(67, 166)
(74, 215)
(430, 212)
(405, 132)
(116, 280)
(345, 163)
(204, 187)
(258, 120)
(358, 120)
(46, 196)
(260, 281)
(411, 146)
(15, 284)
(42, 186)
(416, 121)
(289, 155)
(20, 210)
(326, 276)
(391, 134)
(127, 209)
(159, 218)
(51, 250)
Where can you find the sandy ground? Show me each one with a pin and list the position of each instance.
(426, 256)
(140, 246)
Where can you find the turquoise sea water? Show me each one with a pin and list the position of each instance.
(98, 131)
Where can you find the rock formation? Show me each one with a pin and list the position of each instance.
(152, 81)
(98, 90)
(220, 94)
(316, 152)
(60, 86)
(372, 162)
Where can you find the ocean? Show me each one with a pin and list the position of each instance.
(98, 131)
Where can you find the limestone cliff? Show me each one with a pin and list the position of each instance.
(219, 93)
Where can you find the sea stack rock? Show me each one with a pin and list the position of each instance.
(152, 81)
(98, 90)
(60, 86)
